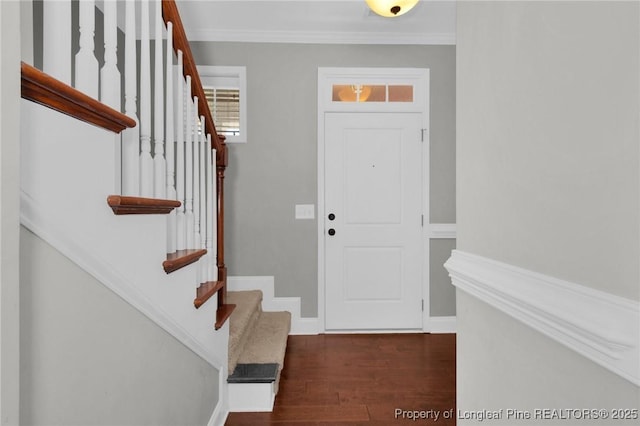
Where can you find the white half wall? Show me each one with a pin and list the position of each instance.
(598, 325)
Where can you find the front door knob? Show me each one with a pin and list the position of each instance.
(332, 232)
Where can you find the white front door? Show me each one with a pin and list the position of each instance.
(373, 220)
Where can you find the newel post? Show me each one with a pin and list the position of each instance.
(222, 159)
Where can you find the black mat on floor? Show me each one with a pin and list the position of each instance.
(254, 373)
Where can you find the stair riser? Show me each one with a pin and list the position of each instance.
(251, 397)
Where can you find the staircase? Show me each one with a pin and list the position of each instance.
(148, 227)
(257, 345)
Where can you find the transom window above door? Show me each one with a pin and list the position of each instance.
(372, 93)
(373, 89)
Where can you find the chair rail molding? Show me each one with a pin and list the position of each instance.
(443, 231)
(598, 325)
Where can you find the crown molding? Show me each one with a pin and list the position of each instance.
(322, 37)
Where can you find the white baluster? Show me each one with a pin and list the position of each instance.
(130, 137)
(109, 74)
(197, 241)
(170, 138)
(212, 207)
(181, 225)
(189, 219)
(86, 62)
(56, 39)
(197, 189)
(203, 184)
(146, 162)
(159, 164)
(204, 199)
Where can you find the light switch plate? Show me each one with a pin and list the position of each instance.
(305, 211)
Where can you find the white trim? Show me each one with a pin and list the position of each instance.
(600, 326)
(443, 231)
(437, 325)
(221, 412)
(440, 325)
(33, 218)
(420, 78)
(251, 397)
(378, 331)
(322, 37)
(219, 415)
(299, 325)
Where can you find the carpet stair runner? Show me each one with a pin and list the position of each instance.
(257, 346)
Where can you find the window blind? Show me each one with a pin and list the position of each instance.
(225, 108)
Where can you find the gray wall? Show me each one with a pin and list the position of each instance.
(504, 364)
(443, 294)
(548, 148)
(277, 168)
(9, 211)
(547, 157)
(89, 358)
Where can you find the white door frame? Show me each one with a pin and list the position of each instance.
(419, 79)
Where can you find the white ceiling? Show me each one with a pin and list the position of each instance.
(316, 21)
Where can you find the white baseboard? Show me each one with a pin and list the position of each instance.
(219, 415)
(266, 284)
(598, 325)
(442, 325)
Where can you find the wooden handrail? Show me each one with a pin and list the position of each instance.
(180, 42)
(46, 90)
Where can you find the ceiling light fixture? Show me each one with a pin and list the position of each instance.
(391, 8)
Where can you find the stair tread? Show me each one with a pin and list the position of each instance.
(122, 205)
(247, 302)
(268, 341)
(255, 336)
(242, 321)
(181, 258)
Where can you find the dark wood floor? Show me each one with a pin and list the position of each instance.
(363, 379)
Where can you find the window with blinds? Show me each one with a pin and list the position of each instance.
(225, 108)
(226, 92)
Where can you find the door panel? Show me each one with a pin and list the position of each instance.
(373, 175)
